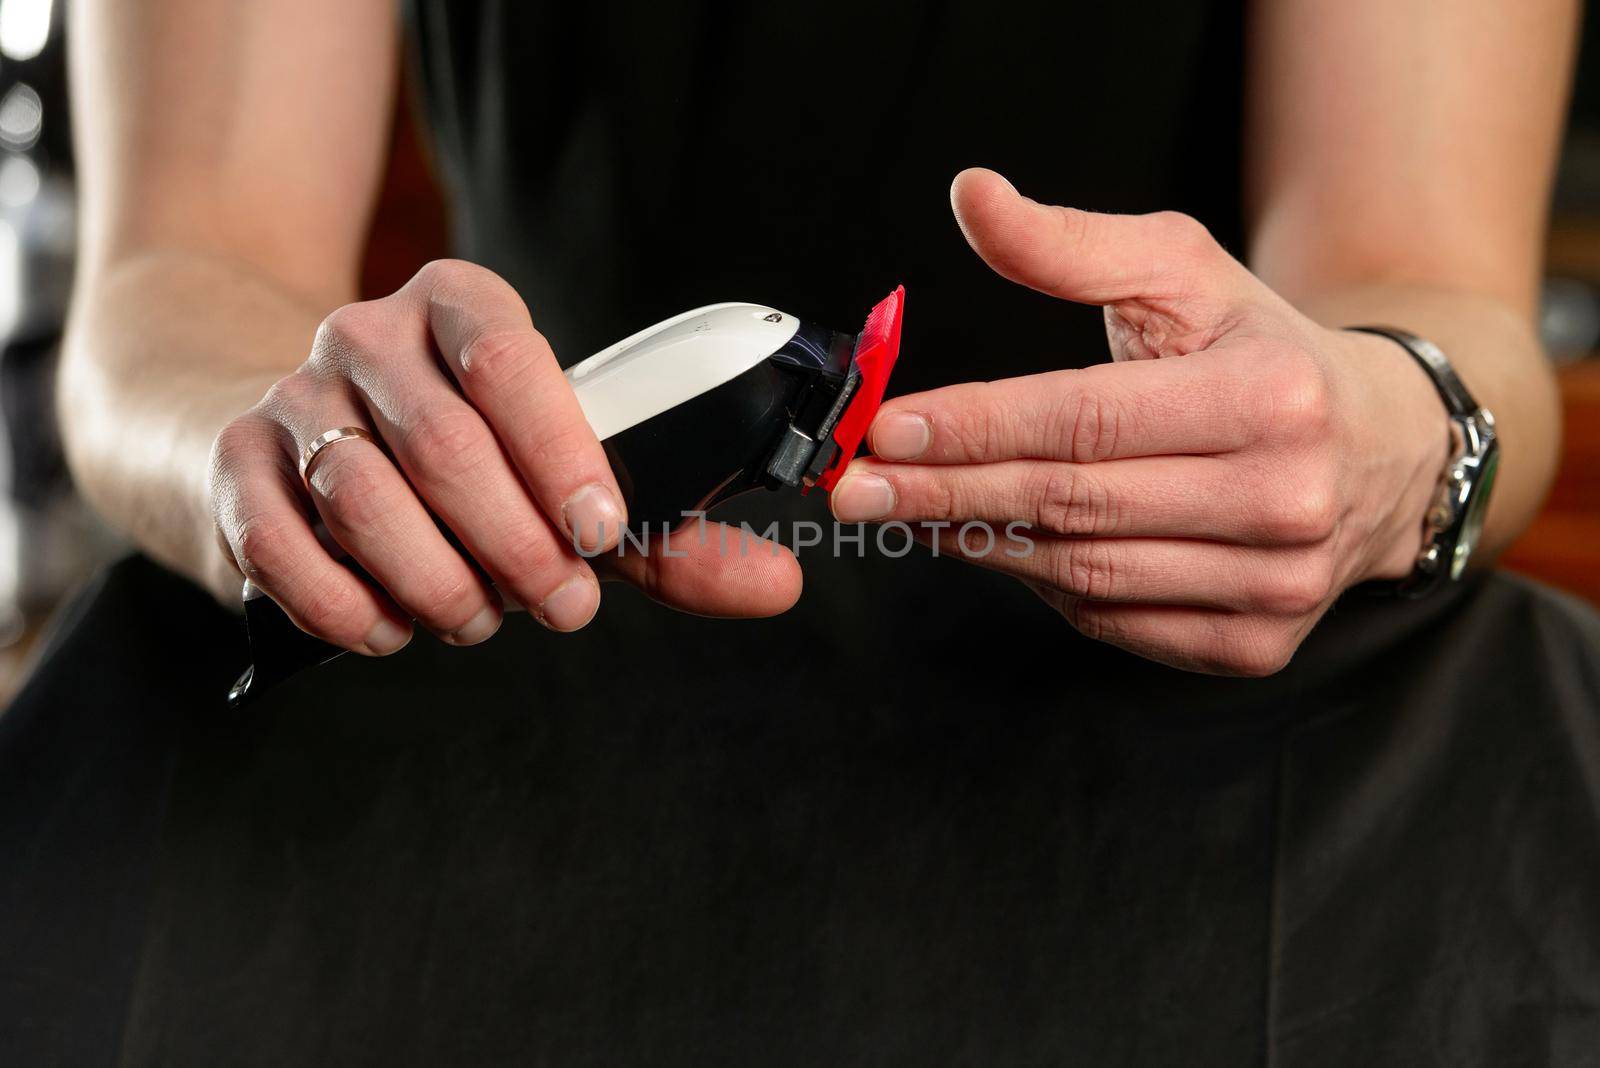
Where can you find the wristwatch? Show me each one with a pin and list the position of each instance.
(1455, 517)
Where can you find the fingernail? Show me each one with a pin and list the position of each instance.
(571, 606)
(901, 436)
(387, 637)
(593, 517)
(479, 628)
(858, 498)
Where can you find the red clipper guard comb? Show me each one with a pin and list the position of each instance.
(877, 347)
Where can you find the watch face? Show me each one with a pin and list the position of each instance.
(1477, 507)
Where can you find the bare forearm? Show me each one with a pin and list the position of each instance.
(1497, 353)
(163, 349)
(227, 160)
(1399, 163)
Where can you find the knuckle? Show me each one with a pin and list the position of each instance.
(353, 490)
(528, 562)
(446, 274)
(242, 437)
(292, 392)
(258, 542)
(498, 359)
(933, 497)
(347, 334)
(1304, 514)
(332, 612)
(457, 281)
(1084, 569)
(1301, 589)
(560, 449)
(1298, 394)
(1255, 658)
(1071, 503)
(447, 600)
(1183, 232)
(1090, 425)
(1087, 619)
(448, 444)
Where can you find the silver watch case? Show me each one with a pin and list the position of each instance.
(1455, 520)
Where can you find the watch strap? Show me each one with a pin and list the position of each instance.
(1457, 400)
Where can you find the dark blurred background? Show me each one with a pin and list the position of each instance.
(50, 542)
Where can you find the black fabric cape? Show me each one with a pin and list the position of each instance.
(918, 820)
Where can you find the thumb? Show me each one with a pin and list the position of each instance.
(712, 570)
(1085, 256)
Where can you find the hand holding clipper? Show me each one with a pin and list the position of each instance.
(697, 409)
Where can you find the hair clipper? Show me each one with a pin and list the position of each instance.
(693, 411)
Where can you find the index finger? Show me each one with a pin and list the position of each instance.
(1200, 403)
(509, 373)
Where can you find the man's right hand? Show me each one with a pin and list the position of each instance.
(482, 434)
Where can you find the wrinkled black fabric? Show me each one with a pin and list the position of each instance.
(918, 820)
(1385, 855)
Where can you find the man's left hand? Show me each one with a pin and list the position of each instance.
(1206, 496)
